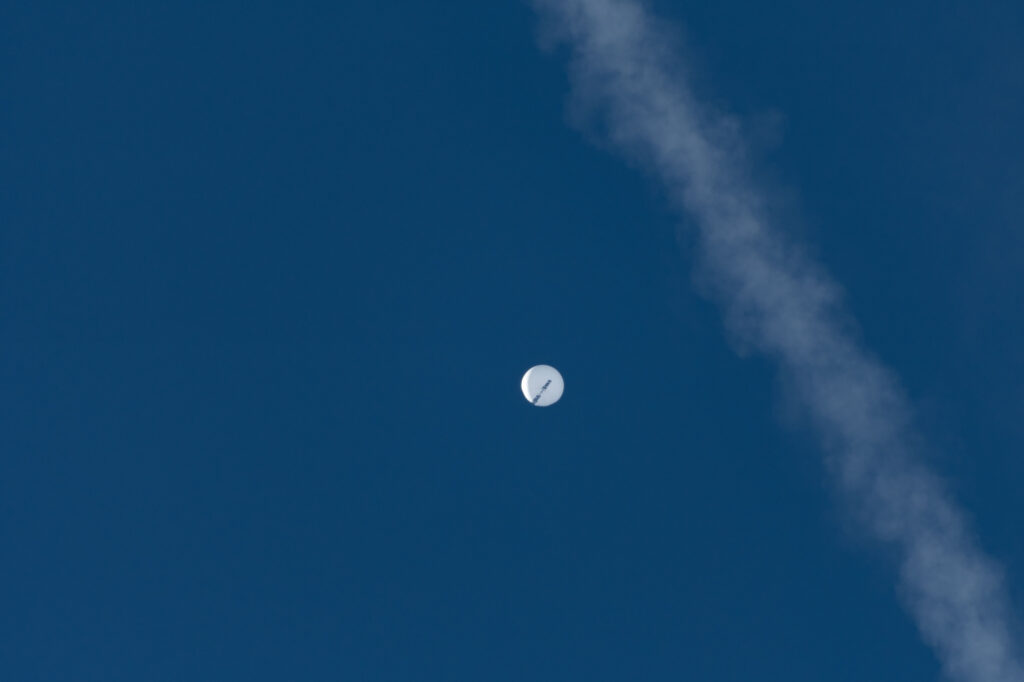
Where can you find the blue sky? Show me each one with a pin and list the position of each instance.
(271, 276)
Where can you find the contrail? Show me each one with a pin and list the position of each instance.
(777, 301)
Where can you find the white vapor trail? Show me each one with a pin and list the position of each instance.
(778, 301)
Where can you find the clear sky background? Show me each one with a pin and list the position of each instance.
(270, 276)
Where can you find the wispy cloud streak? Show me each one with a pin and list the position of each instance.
(775, 299)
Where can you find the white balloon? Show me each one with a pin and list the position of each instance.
(543, 385)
